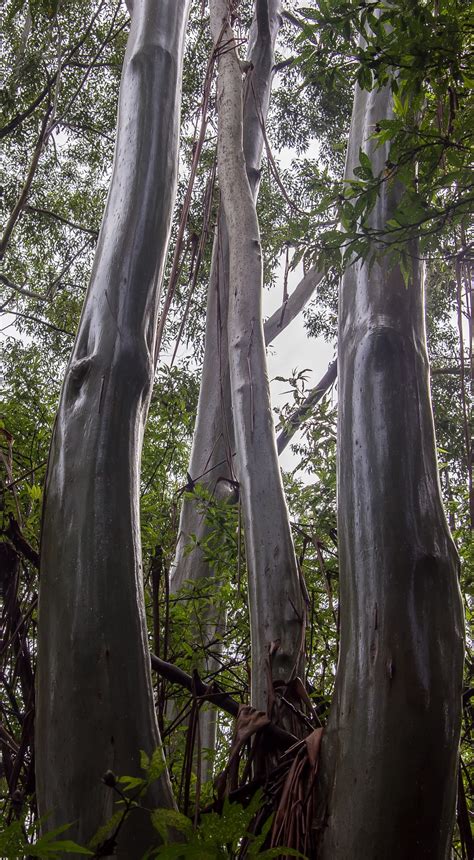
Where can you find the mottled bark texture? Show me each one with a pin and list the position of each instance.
(94, 695)
(275, 595)
(389, 758)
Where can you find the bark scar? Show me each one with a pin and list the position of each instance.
(101, 393)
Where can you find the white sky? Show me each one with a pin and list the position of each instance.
(293, 349)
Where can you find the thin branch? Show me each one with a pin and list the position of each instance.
(20, 117)
(109, 37)
(26, 187)
(42, 322)
(441, 371)
(24, 291)
(300, 415)
(271, 160)
(46, 212)
(26, 474)
(288, 16)
(15, 534)
(278, 67)
(215, 695)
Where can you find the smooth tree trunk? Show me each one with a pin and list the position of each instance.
(95, 708)
(389, 758)
(212, 461)
(213, 450)
(275, 593)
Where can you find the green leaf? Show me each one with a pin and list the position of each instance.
(55, 849)
(164, 820)
(365, 163)
(131, 783)
(106, 829)
(48, 846)
(156, 766)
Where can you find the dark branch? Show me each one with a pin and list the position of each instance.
(14, 533)
(302, 413)
(20, 204)
(214, 694)
(42, 322)
(46, 212)
(292, 19)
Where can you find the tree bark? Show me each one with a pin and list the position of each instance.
(212, 461)
(292, 306)
(389, 758)
(275, 594)
(95, 707)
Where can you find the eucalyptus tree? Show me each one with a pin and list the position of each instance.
(399, 679)
(95, 702)
(213, 462)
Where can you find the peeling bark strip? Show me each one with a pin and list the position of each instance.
(95, 704)
(275, 598)
(389, 760)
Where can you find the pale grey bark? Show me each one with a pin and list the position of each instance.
(389, 759)
(275, 595)
(295, 303)
(95, 706)
(212, 461)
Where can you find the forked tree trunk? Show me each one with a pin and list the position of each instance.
(212, 454)
(95, 707)
(389, 759)
(212, 461)
(275, 594)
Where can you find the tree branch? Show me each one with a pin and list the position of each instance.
(24, 291)
(20, 117)
(292, 19)
(301, 414)
(14, 532)
(26, 187)
(40, 211)
(42, 322)
(287, 312)
(215, 695)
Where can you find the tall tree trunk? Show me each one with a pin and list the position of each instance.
(389, 760)
(95, 707)
(212, 461)
(275, 594)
